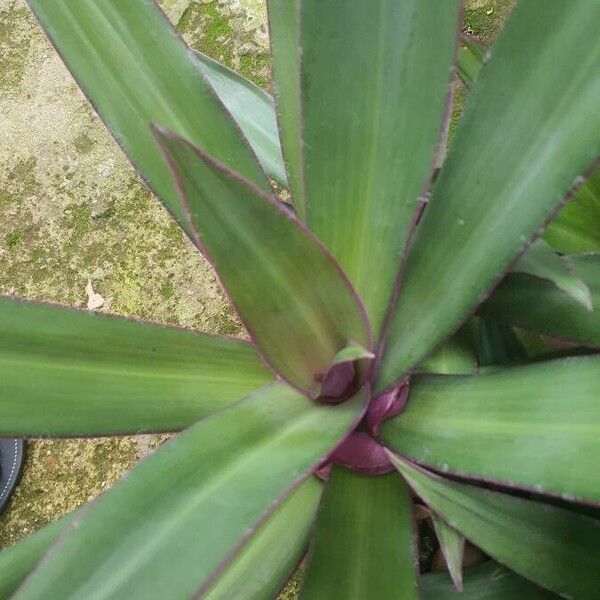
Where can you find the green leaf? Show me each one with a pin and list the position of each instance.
(372, 99)
(577, 226)
(17, 561)
(537, 305)
(136, 70)
(453, 357)
(297, 305)
(285, 52)
(541, 261)
(489, 581)
(452, 545)
(471, 57)
(178, 520)
(258, 571)
(68, 372)
(497, 343)
(554, 547)
(535, 427)
(267, 559)
(363, 545)
(254, 112)
(514, 159)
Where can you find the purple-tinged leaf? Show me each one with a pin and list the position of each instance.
(135, 69)
(554, 547)
(535, 427)
(515, 159)
(362, 103)
(298, 306)
(180, 519)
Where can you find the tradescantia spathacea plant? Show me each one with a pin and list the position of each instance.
(385, 366)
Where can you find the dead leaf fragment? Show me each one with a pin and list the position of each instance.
(94, 300)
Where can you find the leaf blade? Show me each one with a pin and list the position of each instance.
(69, 372)
(254, 112)
(128, 544)
(499, 524)
(363, 544)
(537, 305)
(535, 427)
(296, 303)
(364, 130)
(18, 560)
(479, 218)
(136, 70)
(542, 262)
(576, 228)
(267, 559)
(452, 545)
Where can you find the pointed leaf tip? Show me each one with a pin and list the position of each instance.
(291, 294)
(452, 544)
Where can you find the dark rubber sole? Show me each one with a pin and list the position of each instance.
(11, 460)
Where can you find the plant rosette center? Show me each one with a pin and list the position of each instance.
(361, 451)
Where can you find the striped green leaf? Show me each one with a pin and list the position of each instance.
(254, 112)
(17, 561)
(283, 29)
(514, 159)
(136, 70)
(535, 426)
(258, 571)
(265, 562)
(177, 521)
(297, 305)
(69, 372)
(363, 545)
(541, 261)
(362, 108)
(576, 228)
(554, 547)
(537, 305)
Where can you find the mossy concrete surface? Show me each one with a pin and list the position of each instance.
(73, 210)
